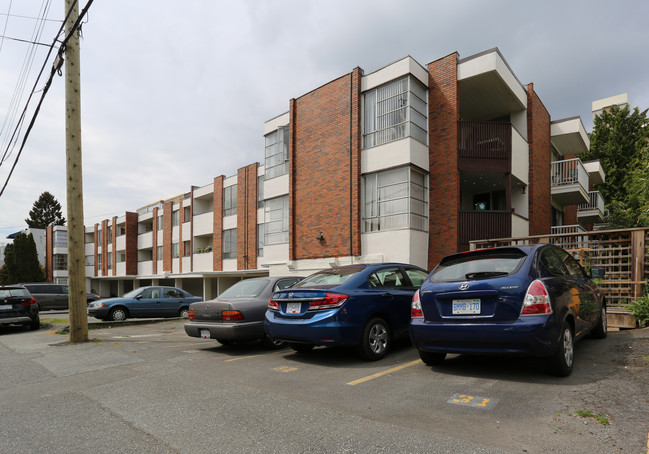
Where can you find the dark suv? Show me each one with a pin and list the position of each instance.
(17, 307)
(52, 296)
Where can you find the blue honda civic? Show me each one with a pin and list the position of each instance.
(366, 306)
(531, 300)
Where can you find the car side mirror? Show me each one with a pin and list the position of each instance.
(138, 297)
(597, 273)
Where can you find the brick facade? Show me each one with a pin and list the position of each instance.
(324, 166)
(247, 217)
(217, 223)
(167, 237)
(131, 244)
(538, 132)
(154, 252)
(443, 117)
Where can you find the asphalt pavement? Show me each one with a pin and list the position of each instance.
(145, 386)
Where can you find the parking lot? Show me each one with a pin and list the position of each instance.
(147, 386)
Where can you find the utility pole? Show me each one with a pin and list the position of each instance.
(76, 253)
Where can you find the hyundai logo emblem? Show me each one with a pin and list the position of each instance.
(463, 286)
(290, 295)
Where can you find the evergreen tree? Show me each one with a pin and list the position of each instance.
(619, 141)
(21, 261)
(46, 211)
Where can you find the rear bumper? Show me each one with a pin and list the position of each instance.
(227, 331)
(324, 328)
(528, 336)
(18, 320)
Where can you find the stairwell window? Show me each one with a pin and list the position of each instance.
(276, 152)
(395, 199)
(276, 221)
(230, 244)
(230, 200)
(395, 110)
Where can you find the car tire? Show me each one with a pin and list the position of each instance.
(117, 315)
(432, 358)
(375, 341)
(301, 348)
(183, 312)
(562, 362)
(600, 330)
(35, 324)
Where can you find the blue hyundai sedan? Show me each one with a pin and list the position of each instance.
(366, 306)
(521, 300)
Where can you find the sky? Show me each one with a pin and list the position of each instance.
(174, 93)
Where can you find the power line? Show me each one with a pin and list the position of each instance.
(48, 83)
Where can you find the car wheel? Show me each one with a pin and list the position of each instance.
(301, 348)
(35, 324)
(432, 358)
(117, 315)
(375, 341)
(183, 312)
(600, 330)
(562, 362)
(273, 344)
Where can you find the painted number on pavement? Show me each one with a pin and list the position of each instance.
(285, 369)
(473, 401)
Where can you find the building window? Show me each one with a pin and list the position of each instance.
(99, 237)
(159, 223)
(109, 234)
(109, 260)
(276, 163)
(260, 191)
(395, 199)
(60, 262)
(276, 221)
(121, 257)
(175, 218)
(90, 260)
(60, 239)
(175, 250)
(159, 253)
(394, 111)
(99, 261)
(230, 244)
(230, 200)
(260, 240)
(187, 214)
(187, 248)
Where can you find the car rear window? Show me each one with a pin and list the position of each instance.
(329, 278)
(478, 265)
(245, 289)
(9, 292)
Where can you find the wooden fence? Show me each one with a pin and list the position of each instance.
(622, 254)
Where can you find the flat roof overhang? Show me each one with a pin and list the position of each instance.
(569, 137)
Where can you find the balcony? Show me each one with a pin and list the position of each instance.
(484, 140)
(479, 225)
(593, 211)
(566, 229)
(569, 182)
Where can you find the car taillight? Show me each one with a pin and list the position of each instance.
(231, 316)
(273, 305)
(537, 300)
(191, 315)
(330, 301)
(415, 307)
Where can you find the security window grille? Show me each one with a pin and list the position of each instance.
(395, 199)
(276, 163)
(230, 200)
(230, 244)
(394, 111)
(276, 221)
(60, 262)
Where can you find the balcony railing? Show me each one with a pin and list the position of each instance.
(569, 172)
(484, 140)
(596, 203)
(475, 225)
(565, 229)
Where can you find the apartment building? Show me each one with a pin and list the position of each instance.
(407, 163)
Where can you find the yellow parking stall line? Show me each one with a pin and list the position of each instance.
(385, 372)
(252, 356)
(183, 345)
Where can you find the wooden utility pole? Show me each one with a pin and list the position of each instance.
(76, 253)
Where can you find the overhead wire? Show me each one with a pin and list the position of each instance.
(20, 86)
(48, 83)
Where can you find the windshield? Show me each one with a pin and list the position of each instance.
(132, 293)
(481, 265)
(245, 289)
(7, 293)
(332, 277)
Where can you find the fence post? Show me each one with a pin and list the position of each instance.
(637, 263)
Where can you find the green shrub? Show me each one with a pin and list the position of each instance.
(640, 311)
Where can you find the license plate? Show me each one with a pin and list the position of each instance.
(293, 308)
(464, 307)
(6, 307)
(205, 333)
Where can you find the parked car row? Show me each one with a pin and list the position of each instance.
(531, 300)
(18, 307)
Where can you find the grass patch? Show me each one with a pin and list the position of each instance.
(603, 420)
(55, 321)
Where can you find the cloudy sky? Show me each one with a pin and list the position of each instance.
(176, 93)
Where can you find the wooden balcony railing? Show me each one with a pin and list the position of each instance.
(484, 140)
(476, 225)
